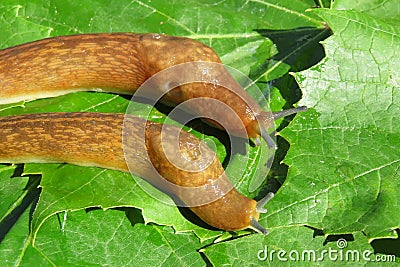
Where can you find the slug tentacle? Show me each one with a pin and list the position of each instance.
(261, 203)
(256, 226)
(260, 126)
(267, 138)
(280, 114)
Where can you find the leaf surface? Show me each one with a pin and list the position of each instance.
(66, 226)
(345, 168)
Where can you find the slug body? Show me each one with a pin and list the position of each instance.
(121, 63)
(95, 139)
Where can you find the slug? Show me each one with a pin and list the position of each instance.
(95, 139)
(120, 63)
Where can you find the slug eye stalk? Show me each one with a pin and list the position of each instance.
(261, 203)
(280, 114)
(254, 224)
(265, 120)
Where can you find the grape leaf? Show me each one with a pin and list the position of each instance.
(386, 10)
(233, 29)
(69, 188)
(9, 188)
(296, 246)
(344, 159)
(110, 239)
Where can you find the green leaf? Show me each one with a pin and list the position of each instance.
(80, 238)
(16, 245)
(69, 188)
(8, 190)
(75, 102)
(16, 29)
(384, 10)
(136, 229)
(295, 246)
(344, 158)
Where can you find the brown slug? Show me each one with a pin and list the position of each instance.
(121, 63)
(95, 139)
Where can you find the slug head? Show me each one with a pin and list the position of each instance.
(259, 127)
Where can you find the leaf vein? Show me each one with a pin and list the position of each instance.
(324, 191)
